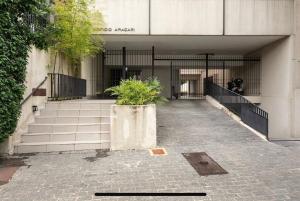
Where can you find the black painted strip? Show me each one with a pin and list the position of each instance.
(150, 194)
(224, 17)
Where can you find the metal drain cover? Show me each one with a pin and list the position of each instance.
(158, 152)
(204, 164)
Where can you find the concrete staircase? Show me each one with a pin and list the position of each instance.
(69, 126)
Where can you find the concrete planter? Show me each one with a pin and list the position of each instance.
(133, 127)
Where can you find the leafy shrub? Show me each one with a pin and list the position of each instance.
(16, 37)
(137, 92)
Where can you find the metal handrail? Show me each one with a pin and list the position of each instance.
(66, 87)
(249, 113)
(239, 95)
(24, 100)
(243, 98)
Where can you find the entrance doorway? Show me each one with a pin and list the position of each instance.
(187, 82)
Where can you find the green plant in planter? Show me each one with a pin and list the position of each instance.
(137, 92)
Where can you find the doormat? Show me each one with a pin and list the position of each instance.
(158, 152)
(203, 164)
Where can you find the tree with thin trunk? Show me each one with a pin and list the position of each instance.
(74, 24)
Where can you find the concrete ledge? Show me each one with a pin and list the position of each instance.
(133, 127)
(253, 99)
(5, 146)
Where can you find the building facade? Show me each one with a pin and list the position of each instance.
(257, 39)
(182, 42)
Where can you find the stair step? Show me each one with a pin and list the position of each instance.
(61, 146)
(68, 127)
(103, 101)
(66, 136)
(78, 105)
(72, 119)
(75, 112)
(63, 133)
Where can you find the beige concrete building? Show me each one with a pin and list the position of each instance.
(255, 40)
(267, 29)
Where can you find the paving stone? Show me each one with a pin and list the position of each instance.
(258, 170)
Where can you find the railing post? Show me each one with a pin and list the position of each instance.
(58, 84)
(206, 74)
(51, 85)
(223, 74)
(153, 57)
(171, 80)
(124, 63)
(103, 66)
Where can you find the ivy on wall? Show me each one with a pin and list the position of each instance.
(26, 22)
(22, 24)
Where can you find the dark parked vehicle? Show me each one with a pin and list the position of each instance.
(236, 86)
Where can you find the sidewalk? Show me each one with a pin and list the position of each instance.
(258, 170)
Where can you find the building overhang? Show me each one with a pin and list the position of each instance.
(190, 44)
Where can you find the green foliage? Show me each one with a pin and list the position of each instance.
(74, 25)
(17, 33)
(137, 92)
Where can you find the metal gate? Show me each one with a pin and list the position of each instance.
(110, 67)
(124, 64)
(187, 79)
(188, 73)
(182, 75)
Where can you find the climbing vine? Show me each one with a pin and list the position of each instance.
(22, 24)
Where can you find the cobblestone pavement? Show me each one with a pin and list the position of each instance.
(258, 170)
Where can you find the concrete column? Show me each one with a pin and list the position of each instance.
(296, 82)
(276, 87)
(281, 83)
(87, 66)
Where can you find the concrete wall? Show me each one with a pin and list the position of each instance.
(124, 16)
(296, 81)
(133, 127)
(164, 76)
(281, 83)
(277, 87)
(162, 73)
(88, 65)
(259, 17)
(197, 17)
(62, 65)
(187, 17)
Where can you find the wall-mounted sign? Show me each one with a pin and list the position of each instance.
(118, 29)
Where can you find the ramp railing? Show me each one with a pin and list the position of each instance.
(249, 113)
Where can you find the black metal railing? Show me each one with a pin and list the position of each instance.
(66, 87)
(249, 113)
(33, 91)
(36, 22)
